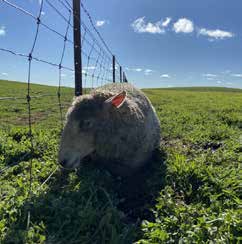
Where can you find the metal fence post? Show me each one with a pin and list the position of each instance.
(114, 68)
(124, 78)
(77, 46)
(120, 70)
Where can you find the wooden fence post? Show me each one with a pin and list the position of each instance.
(114, 68)
(77, 46)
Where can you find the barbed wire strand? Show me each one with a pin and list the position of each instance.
(92, 24)
(60, 69)
(4, 169)
(64, 5)
(28, 97)
(35, 58)
(34, 97)
(47, 179)
(27, 13)
(95, 29)
(59, 13)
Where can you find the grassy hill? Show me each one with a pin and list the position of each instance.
(200, 89)
(190, 193)
(44, 103)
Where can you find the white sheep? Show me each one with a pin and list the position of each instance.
(120, 128)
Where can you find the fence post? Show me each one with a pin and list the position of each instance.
(114, 68)
(120, 70)
(124, 78)
(77, 46)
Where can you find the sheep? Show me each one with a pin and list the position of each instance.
(117, 123)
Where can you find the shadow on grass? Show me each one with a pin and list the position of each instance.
(91, 206)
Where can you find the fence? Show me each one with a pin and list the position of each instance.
(93, 64)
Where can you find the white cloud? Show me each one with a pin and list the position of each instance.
(100, 23)
(166, 76)
(148, 71)
(2, 31)
(134, 69)
(141, 26)
(166, 22)
(183, 25)
(229, 83)
(4, 74)
(216, 34)
(237, 75)
(39, 1)
(210, 75)
(138, 70)
(226, 72)
(219, 82)
(89, 68)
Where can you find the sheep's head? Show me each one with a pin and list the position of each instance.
(83, 119)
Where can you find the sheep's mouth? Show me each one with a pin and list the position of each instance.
(77, 162)
(82, 161)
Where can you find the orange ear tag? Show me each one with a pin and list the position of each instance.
(118, 100)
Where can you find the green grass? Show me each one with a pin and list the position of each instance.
(190, 193)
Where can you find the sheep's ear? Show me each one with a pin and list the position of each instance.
(117, 100)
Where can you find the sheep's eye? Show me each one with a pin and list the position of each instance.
(85, 124)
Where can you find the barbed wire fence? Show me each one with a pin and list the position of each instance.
(94, 65)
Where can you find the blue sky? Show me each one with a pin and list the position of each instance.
(164, 43)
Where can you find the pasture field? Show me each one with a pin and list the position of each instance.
(189, 193)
